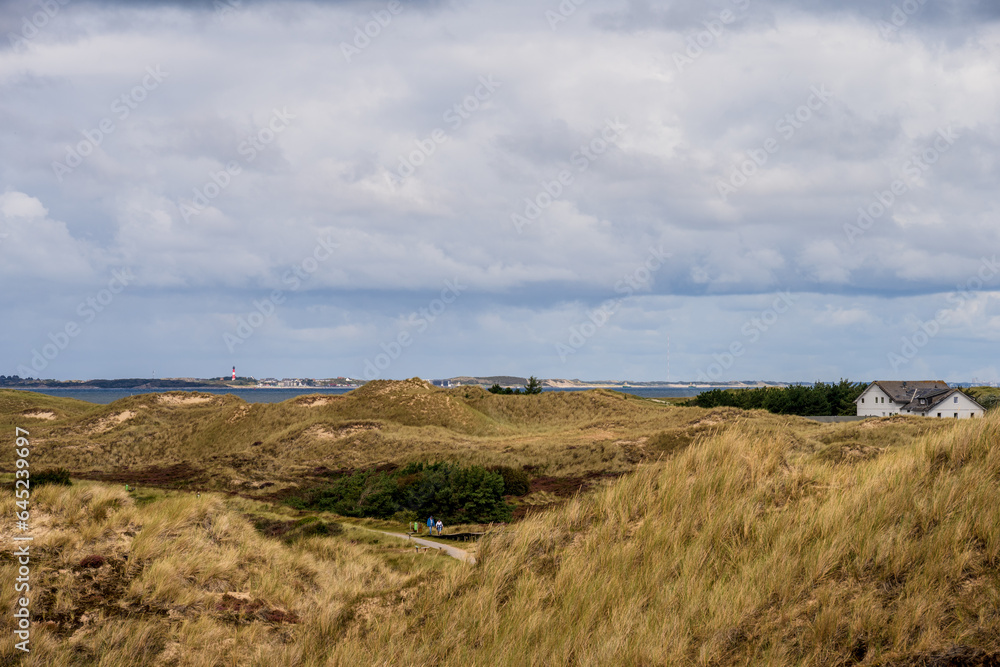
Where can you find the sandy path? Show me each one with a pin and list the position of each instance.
(454, 552)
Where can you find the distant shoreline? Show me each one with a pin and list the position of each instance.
(101, 395)
(195, 385)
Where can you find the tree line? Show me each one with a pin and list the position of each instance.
(533, 387)
(821, 399)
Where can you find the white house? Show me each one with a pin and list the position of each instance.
(924, 398)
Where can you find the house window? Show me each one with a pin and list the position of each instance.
(862, 400)
(956, 415)
(956, 399)
(939, 414)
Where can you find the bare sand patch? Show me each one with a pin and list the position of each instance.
(111, 421)
(239, 414)
(346, 431)
(640, 442)
(39, 414)
(317, 401)
(168, 399)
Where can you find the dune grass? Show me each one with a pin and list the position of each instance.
(223, 443)
(191, 578)
(750, 544)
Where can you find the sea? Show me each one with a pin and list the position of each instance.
(276, 395)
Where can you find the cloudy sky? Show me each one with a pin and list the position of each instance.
(717, 189)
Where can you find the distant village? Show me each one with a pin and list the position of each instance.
(267, 383)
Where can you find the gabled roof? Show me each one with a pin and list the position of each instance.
(903, 391)
(937, 399)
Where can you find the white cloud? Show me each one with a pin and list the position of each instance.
(35, 247)
(325, 173)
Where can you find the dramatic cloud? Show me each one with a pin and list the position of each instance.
(515, 188)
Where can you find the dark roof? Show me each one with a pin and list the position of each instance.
(910, 393)
(903, 391)
(936, 399)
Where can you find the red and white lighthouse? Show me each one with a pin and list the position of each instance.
(234, 373)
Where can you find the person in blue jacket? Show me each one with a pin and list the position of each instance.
(430, 524)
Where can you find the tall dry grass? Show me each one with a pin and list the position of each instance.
(229, 444)
(743, 550)
(189, 581)
(748, 545)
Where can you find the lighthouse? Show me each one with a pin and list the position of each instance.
(234, 373)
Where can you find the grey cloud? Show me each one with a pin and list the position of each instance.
(452, 218)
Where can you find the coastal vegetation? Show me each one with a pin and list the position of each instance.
(454, 494)
(820, 399)
(697, 536)
(533, 386)
(988, 397)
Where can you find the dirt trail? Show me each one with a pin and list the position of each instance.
(454, 552)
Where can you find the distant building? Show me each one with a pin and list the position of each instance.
(924, 398)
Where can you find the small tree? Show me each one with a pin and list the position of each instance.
(533, 386)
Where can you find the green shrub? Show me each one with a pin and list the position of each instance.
(55, 476)
(515, 480)
(820, 399)
(533, 387)
(455, 494)
(405, 517)
(306, 520)
(312, 529)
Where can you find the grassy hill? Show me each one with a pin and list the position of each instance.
(203, 441)
(759, 540)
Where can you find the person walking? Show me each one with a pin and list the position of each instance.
(430, 524)
(440, 527)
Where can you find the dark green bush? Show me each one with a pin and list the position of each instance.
(515, 480)
(820, 399)
(452, 493)
(55, 476)
(405, 517)
(314, 528)
(533, 387)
